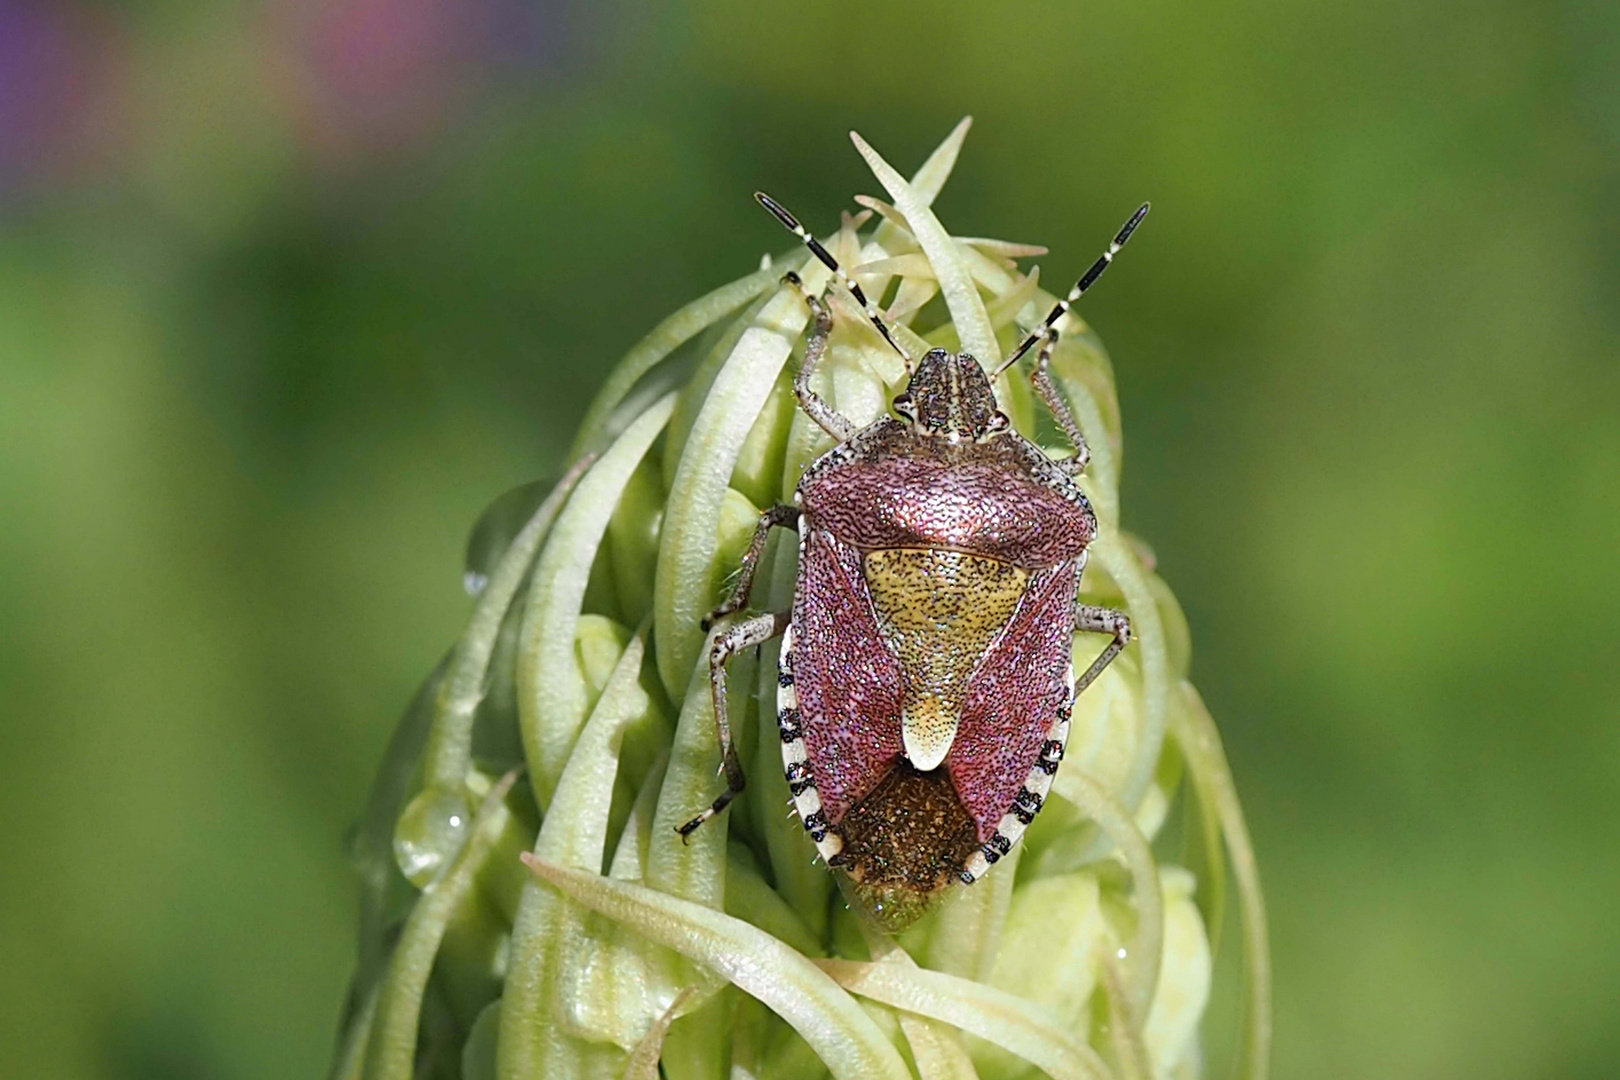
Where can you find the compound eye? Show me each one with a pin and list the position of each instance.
(903, 406)
(998, 423)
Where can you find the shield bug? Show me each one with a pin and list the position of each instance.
(926, 680)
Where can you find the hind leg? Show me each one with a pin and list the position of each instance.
(728, 642)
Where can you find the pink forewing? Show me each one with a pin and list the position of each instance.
(1015, 694)
(848, 683)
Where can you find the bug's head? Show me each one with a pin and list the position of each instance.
(950, 395)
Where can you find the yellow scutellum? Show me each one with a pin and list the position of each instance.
(529, 912)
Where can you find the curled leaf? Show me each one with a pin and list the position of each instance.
(391, 1048)
(1019, 1026)
(667, 336)
(1144, 952)
(449, 751)
(1124, 1028)
(643, 1063)
(841, 1034)
(687, 547)
(1206, 760)
(552, 695)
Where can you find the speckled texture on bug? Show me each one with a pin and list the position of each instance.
(932, 626)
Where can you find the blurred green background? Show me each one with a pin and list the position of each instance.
(289, 290)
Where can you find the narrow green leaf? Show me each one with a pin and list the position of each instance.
(955, 281)
(692, 868)
(630, 857)
(644, 1059)
(935, 1047)
(719, 344)
(1207, 860)
(1124, 1025)
(532, 1041)
(1113, 555)
(478, 1052)
(1049, 949)
(912, 295)
(832, 1023)
(391, 1050)
(759, 463)
(897, 238)
(1206, 759)
(800, 879)
(449, 751)
(371, 845)
(750, 898)
(1006, 249)
(930, 179)
(1170, 1029)
(967, 932)
(1019, 1026)
(1177, 634)
(664, 339)
(913, 264)
(688, 543)
(350, 1060)
(616, 984)
(552, 695)
(1148, 944)
(577, 831)
(927, 182)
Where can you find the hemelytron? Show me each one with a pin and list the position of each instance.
(925, 682)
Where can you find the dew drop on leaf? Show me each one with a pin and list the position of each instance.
(429, 832)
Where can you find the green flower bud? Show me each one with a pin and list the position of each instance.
(530, 911)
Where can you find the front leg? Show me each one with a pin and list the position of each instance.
(832, 421)
(733, 639)
(779, 515)
(1041, 379)
(1101, 620)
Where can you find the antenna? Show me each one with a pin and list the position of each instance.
(1087, 279)
(792, 223)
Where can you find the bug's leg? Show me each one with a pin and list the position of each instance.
(779, 515)
(1046, 334)
(1041, 379)
(1101, 620)
(815, 406)
(729, 641)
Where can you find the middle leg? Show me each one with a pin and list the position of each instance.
(781, 515)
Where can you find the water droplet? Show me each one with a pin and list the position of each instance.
(1120, 954)
(501, 520)
(429, 832)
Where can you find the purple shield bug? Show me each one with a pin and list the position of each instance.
(925, 681)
